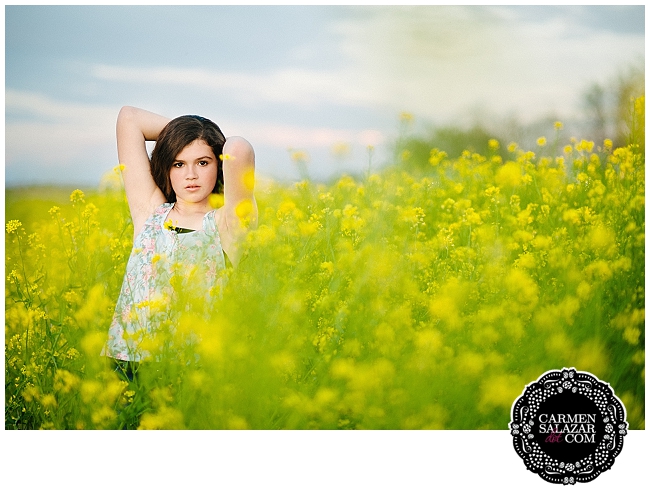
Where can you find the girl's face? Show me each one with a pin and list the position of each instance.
(194, 173)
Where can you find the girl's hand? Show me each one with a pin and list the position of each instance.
(134, 127)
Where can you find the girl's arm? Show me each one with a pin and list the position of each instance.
(134, 127)
(239, 206)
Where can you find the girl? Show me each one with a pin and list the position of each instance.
(178, 235)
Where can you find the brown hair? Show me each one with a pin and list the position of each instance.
(177, 134)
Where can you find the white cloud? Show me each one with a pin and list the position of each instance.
(59, 138)
(52, 121)
(291, 136)
(290, 85)
(441, 62)
(45, 108)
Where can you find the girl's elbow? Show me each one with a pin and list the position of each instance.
(239, 148)
(125, 115)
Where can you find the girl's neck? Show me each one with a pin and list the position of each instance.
(182, 209)
(188, 215)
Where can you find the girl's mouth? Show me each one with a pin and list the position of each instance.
(192, 187)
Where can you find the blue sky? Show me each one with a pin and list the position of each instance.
(293, 77)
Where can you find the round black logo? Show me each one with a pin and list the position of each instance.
(568, 426)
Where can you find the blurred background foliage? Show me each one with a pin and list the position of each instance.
(607, 111)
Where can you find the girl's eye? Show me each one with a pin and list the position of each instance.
(177, 165)
(203, 163)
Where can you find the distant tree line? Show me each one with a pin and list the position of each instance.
(607, 112)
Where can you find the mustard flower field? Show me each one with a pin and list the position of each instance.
(398, 300)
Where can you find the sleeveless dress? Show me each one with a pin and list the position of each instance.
(165, 270)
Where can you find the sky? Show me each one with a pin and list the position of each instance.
(316, 79)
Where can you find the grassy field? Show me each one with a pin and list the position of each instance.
(399, 300)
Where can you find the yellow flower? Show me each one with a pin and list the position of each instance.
(471, 217)
(30, 393)
(509, 175)
(499, 391)
(602, 240)
(350, 211)
(523, 288)
(406, 117)
(89, 211)
(248, 179)
(216, 200)
(103, 416)
(65, 381)
(436, 156)
(262, 236)
(244, 209)
(631, 335)
(13, 226)
(237, 423)
(471, 363)
(492, 191)
(599, 269)
(90, 389)
(166, 418)
(584, 145)
(299, 156)
(413, 215)
(584, 290)
(72, 354)
(568, 149)
(77, 196)
(558, 125)
(529, 156)
(341, 150)
(525, 260)
(327, 266)
(308, 228)
(48, 400)
(512, 147)
(493, 144)
(541, 142)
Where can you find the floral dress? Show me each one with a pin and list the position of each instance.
(166, 271)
